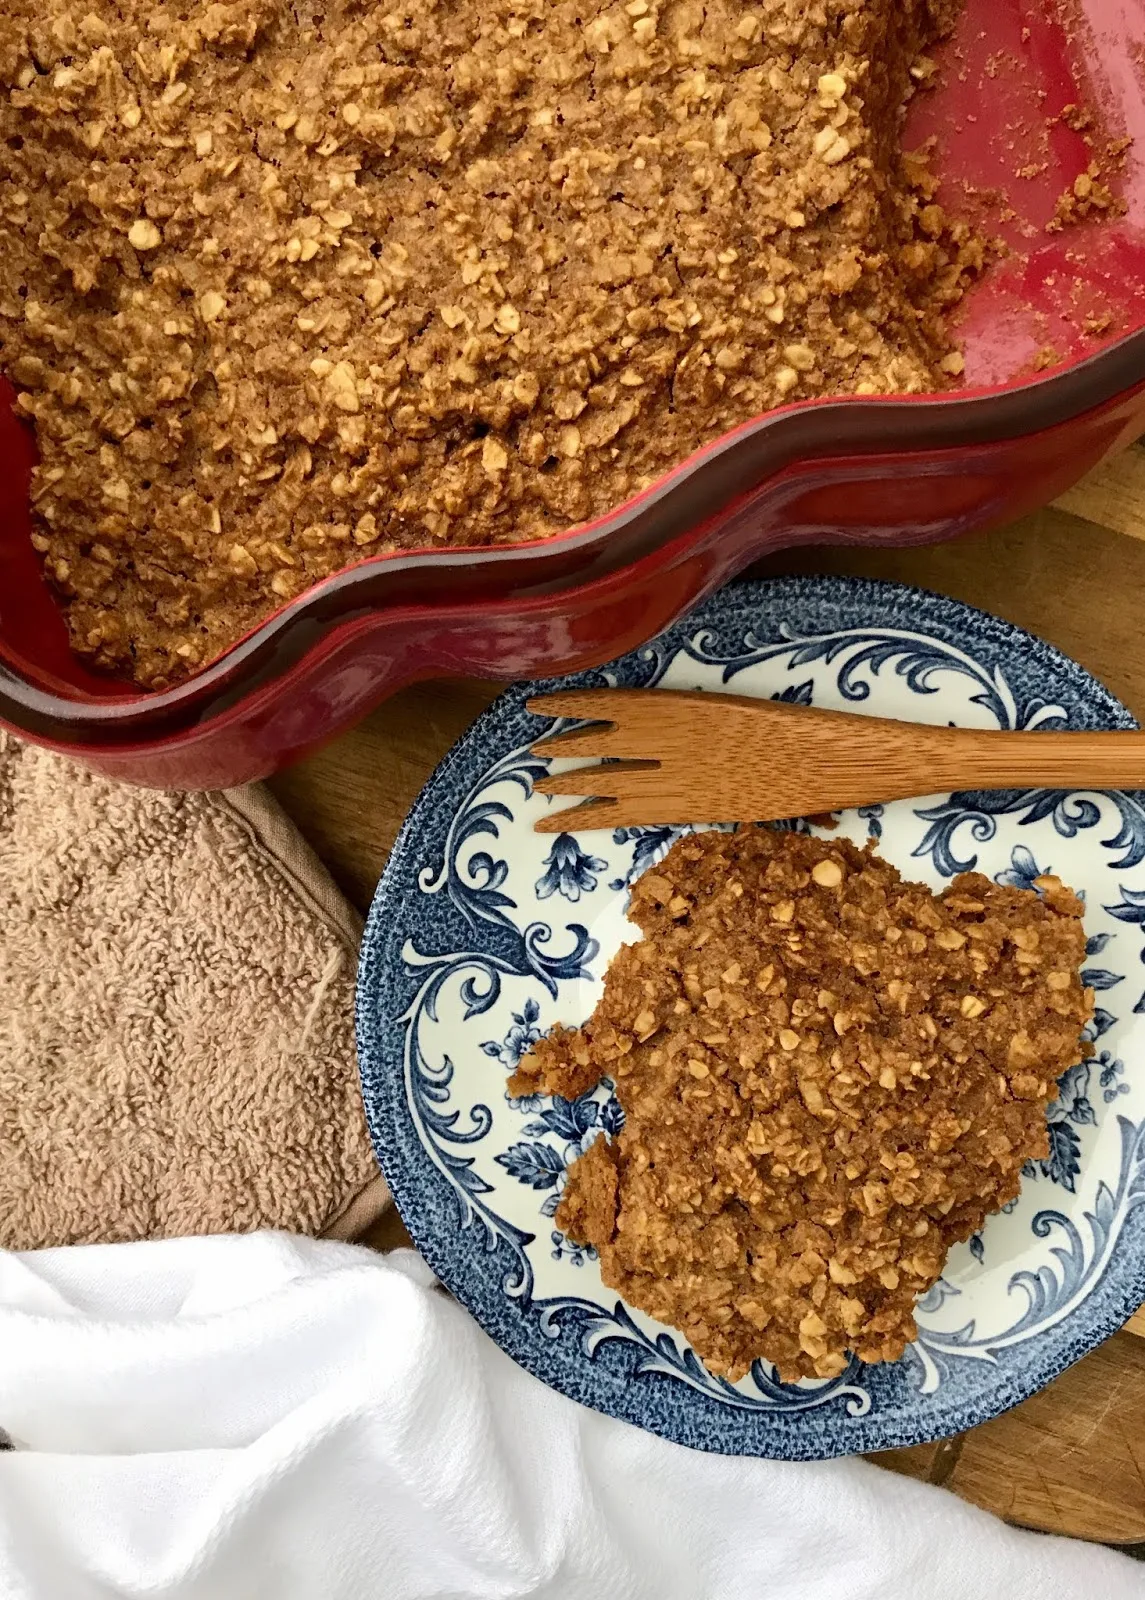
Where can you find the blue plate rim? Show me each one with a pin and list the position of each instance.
(704, 1426)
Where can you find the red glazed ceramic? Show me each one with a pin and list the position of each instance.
(865, 471)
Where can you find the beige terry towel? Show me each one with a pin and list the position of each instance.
(176, 1017)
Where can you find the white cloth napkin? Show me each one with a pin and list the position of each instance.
(272, 1416)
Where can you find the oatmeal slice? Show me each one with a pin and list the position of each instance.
(829, 1075)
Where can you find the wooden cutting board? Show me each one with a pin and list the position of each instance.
(1071, 1459)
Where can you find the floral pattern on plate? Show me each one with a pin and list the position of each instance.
(483, 934)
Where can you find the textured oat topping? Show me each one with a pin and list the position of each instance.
(829, 1075)
(1088, 195)
(284, 286)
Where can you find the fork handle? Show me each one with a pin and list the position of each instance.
(933, 759)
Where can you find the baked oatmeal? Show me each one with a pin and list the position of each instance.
(286, 286)
(829, 1075)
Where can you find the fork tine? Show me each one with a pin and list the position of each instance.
(628, 722)
(596, 740)
(588, 815)
(599, 781)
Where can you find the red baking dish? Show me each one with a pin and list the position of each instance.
(864, 471)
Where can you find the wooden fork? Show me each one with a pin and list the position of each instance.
(687, 757)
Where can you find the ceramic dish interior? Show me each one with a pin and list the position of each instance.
(484, 933)
(924, 468)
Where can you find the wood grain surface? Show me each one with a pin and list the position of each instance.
(1072, 1458)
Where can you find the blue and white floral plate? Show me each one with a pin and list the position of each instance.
(484, 933)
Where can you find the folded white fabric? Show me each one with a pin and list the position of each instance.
(204, 1419)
